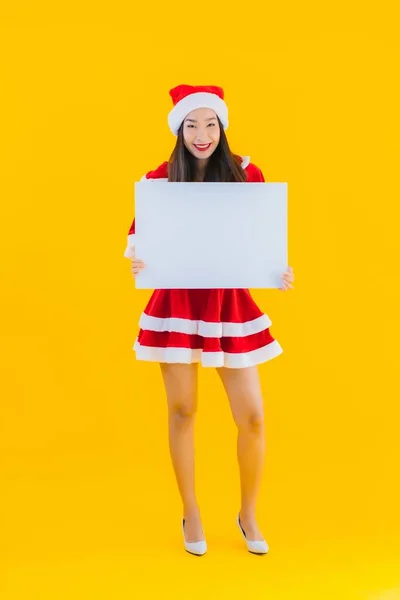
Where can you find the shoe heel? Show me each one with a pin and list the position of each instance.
(255, 546)
(196, 548)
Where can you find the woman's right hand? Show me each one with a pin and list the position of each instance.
(137, 265)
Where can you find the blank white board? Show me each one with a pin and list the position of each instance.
(210, 235)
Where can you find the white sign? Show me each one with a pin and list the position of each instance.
(211, 235)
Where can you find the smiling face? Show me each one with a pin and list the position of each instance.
(201, 132)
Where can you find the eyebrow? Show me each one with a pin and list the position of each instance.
(209, 119)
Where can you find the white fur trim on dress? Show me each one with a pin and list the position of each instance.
(129, 250)
(245, 161)
(205, 328)
(197, 100)
(208, 359)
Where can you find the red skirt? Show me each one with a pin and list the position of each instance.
(218, 328)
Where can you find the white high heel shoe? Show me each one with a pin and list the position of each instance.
(197, 548)
(255, 546)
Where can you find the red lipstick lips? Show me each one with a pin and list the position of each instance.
(202, 147)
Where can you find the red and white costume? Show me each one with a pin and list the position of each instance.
(216, 327)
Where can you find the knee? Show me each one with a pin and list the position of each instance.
(182, 415)
(252, 422)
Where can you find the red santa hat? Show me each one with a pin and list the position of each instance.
(189, 97)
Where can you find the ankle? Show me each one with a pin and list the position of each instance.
(191, 511)
(247, 514)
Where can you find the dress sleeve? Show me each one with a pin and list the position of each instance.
(261, 176)
(129, 250)
(254, 174)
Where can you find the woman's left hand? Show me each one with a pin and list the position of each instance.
(288, 278)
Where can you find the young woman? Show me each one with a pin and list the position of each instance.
(221, 328)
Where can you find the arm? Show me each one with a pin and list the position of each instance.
(254, 174)
(129, 250)
(159, 174)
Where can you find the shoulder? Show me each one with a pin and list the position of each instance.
(161, 172)
(254, 173)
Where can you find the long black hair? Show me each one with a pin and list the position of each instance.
(222, 165)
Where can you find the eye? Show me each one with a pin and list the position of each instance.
(212, 124)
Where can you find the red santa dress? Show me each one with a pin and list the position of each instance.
(216, 327)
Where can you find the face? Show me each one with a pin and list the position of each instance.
(201, 132)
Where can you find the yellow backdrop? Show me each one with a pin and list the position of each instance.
(90, 507)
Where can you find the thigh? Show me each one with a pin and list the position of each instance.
(180, 381)
(243, 389)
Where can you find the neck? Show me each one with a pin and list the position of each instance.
(201, 167)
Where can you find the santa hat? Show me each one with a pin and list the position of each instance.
(189, 97)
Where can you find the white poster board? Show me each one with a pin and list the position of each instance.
(211, 235)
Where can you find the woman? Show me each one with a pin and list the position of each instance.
(221, 328)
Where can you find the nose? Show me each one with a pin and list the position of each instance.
(201, 136)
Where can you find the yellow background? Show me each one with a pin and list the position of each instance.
(89, 503)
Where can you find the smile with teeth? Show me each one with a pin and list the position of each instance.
(202, 147)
